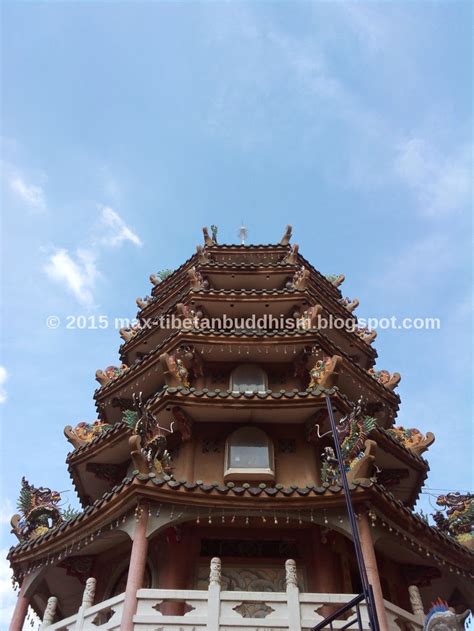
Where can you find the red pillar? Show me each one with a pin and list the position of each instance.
(21, 609)
(178, 565)
(368, 552)
(136, 572)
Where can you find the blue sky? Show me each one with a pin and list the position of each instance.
(128, 126)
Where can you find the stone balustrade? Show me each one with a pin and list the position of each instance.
(219, 610)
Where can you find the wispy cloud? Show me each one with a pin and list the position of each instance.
(441, 183)
(3, 379)
(7, 595)
(32, 194)
(114, 231)
(78, 272)
(78, 275)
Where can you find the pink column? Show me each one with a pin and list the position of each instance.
(370, 560)
(21, 609)
(136, 571)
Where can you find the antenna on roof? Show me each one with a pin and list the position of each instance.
(243, 233)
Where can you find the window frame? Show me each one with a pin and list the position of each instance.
(249, 474)
(232, 387)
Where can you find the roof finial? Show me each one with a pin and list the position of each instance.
(285, 240)
(242, 233)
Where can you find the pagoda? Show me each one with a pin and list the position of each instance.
(211, 497)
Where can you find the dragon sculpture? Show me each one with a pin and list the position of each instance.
(39, 511)
(412, 438)
(441, 617)
(84, 432)
(358, 452)
(457, 520)
(148, 448)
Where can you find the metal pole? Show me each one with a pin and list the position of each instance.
(366, 587)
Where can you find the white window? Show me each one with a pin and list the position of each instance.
(248, 378)
(249, 455)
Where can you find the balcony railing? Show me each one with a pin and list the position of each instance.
(218, 610)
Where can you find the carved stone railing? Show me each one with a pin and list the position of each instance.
(219, 610)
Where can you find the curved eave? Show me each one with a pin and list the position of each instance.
(405, 455)
(181, 493)
(176, 337)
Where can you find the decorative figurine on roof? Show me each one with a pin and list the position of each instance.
(196, 280)
(148, 442)
(292, 257)
(178, 366)
(203, 255)
(299, 280)
(336, 279)
(84, 432)
(144, 302)
(441, 617)
(186, 313)
(412, 438)
(128, 333)
(324, 372)
(357, 450)
(457, 521)
(366, 334)
(309, 318)
(39, 511)
(159, 277)
(176, 373)
(210, 241)
(285, 240)
(390, 381)
(349, 304)
(109, 374)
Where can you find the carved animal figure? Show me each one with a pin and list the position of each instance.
(349, 304)
(196, 280)
(203, 255)
(299, 280)
(357, 450)
(144, 302)
(366, 334)
(127, 333)
(336, 279)
(292, 257)
(84, 432)
(390, 381)
(110, 373)
(324, 372)
(175, 371)
(412, 438)
(285, 240)
(309, 318)
(442, 618)
(39, 511)
(208, 241)
(458, 520)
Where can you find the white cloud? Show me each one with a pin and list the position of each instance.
(7, 595)
(442, 184)
(116, 230)
(32, 194)
(79, 276)
(3, 378)
(6, 510)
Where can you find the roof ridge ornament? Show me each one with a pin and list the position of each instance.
(285, 240)
(209, 241)
(242, 233)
